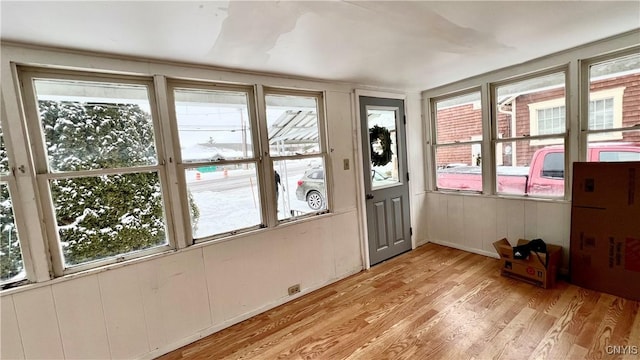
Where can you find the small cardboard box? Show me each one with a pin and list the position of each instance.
(531, 269)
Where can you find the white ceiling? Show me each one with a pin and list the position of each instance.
(412, 45)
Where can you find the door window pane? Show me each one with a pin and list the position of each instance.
(213, 125)
(383, 135)
(292, 123)
(223, 199)
(302, 189)
(109, 215)
(95, 125)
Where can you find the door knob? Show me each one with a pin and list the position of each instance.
(369, 196)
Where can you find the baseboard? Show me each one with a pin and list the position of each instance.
(563, 272)
(465, 248)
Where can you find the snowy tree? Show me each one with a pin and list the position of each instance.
(104, 215)
(10, 256)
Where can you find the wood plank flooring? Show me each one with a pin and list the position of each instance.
(433, 303)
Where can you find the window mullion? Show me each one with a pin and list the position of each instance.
(489, 134)
(269, 212)
(99, 172)
(20, 182)
(44, 249)
(173, 187)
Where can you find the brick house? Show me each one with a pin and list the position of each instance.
(615, 103)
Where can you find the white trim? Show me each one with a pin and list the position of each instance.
(359, 167)
(380, 94)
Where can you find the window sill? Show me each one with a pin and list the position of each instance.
(501, 196)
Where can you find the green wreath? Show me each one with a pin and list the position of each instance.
(381, 138)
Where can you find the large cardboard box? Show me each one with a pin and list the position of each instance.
(605, 257)
(607, 185)
(532, 269)
(605, 228)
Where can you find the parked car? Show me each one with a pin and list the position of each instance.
(312, 190)
(544, 176)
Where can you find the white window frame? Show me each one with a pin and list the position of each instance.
(534, 138)
(270, 159)
(474, 141)
(43, 175)
(182, 166)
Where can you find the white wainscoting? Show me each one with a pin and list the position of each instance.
(473, 223)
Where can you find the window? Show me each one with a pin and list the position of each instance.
(605, 112)
(98, 167)
(547, 117)
(601, 114)
(216, 132)
(458, 142)
(531, 129)
(11, 263)
(297, 151)
(551, 120)
(613, 120)
(553, 165)
(619, 156)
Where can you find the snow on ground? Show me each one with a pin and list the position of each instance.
(225, 206)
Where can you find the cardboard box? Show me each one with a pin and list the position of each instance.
(605, 251)
(606, 185)
(532, 269)
(605, 228)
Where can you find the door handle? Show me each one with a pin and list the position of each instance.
(369, 196)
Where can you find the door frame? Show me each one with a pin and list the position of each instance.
(359, 168)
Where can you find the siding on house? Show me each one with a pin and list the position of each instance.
(462, 123)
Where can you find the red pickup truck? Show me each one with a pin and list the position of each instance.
(545, 175)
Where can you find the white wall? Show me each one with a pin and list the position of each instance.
(474, 223)
(417, 169)
(150, 306)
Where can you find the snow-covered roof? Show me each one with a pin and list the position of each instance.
(295, 127)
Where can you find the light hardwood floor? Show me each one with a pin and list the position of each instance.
(433, 303)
